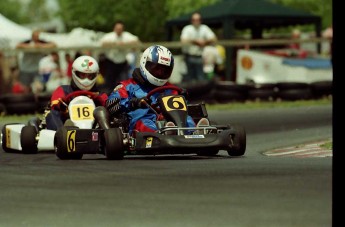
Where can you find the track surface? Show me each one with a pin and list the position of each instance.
(253, 190)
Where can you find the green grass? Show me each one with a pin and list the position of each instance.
(228, 106)
(327, 145)
(268, 104)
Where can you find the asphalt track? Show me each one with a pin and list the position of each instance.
(253, 190)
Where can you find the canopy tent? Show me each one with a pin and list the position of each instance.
(11, 34)
(256, 15)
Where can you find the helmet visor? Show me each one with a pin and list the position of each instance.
(158, 70)
(89, 76)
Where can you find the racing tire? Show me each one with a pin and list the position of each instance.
(28, 140)
(239, 142)
(267, 91)
(20, 103)
(21, 108)
(114, 147)
(60, 145)
(2, 109)
(321, 89)
(295, 94)
(43, 101)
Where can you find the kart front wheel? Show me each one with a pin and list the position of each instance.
(28, 140)
(114, 147)
(61, 145)
(238, 147)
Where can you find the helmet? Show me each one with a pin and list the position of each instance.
(156, 65)
(84, 72)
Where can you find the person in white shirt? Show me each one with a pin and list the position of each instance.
(212, 59)
(194, 38)
(47, 65)
(116, 62)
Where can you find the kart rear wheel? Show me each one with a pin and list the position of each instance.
(60, 145)
(114, 147)
(28, 140)
(239, 142)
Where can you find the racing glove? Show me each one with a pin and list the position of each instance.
(60, 106)
(113, 106)
(136, 103)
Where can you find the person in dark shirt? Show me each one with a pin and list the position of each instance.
(28, 67)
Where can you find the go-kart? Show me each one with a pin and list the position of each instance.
(113, 140)
(34, 136)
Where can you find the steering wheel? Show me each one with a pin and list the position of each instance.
(74, 94)
(161, 89)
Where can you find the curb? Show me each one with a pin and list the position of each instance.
(307, 150)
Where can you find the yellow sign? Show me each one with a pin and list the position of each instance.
(8, 137)
(174, 103)
(71, 140)
(149, 142)
(82, 112)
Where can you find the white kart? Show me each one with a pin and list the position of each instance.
(34, 136)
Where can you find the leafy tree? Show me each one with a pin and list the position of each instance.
(144, 18)
(37, 11)
(321, 8)
(11, 10)
(177, 8)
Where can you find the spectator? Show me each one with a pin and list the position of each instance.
(116, 65)
(47, 65)
(328, 34)
(194, 38)
(69, 62)
(294, 49)
(16, 86)
(212, 59)
(28, 67)
(296, 34)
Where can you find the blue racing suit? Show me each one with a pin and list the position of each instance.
(141, 119)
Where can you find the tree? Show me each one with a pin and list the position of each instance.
(322, 8)
(10, 9)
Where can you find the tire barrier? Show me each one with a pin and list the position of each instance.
(228, 91)
(264, 92)
(43, 101)
(210, 92)
(19, 103)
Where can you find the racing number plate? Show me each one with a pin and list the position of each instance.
(82, 112)
(149, 142)
(174, 103)
(71, 140)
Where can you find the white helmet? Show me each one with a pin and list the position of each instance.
(156, 65)
(84, 72)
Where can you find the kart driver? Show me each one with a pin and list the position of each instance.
(84, 75)
(156, 66)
